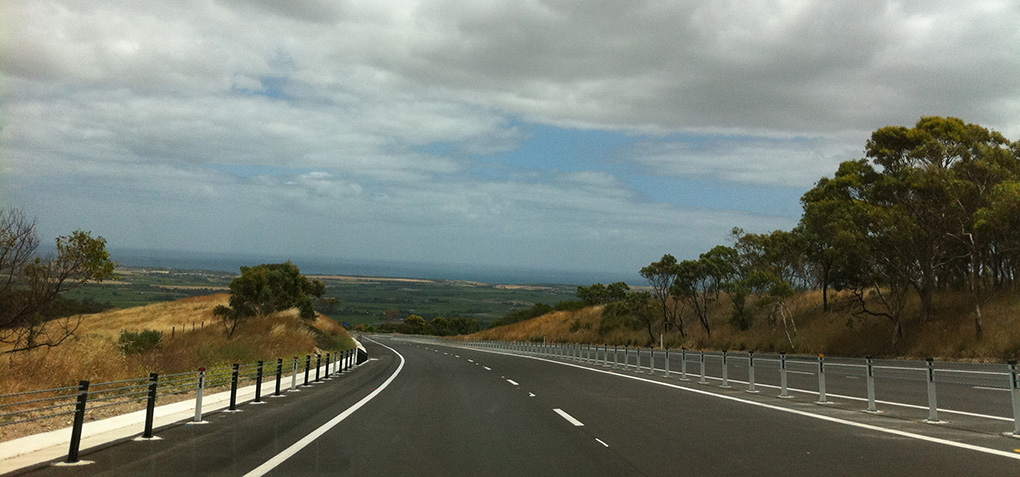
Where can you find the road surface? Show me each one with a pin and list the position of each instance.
(426, 408)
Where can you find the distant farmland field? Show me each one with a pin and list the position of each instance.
(363, 300)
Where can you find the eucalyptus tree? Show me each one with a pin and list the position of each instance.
(699, 283)
(30, 282)
(661, 275)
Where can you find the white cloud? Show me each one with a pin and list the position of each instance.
(195, 123)
(787, 162)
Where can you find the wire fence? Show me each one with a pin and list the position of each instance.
(129, 394)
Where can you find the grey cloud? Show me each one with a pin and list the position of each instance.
(371, 115)
(804, 66)
(313, 11)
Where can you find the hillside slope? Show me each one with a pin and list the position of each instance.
(840, 331)
(192, 338)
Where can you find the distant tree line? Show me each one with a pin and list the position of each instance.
(438, 326)
(930, 208)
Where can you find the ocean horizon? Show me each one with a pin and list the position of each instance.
(232, 262)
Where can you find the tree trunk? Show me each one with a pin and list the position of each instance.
(897, 334)
(975, 287)
(927, 305)
(825, 287)
(978, 327)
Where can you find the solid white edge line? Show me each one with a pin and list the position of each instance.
(986, 388)
(569, 418)
(289, 452)
(911, 435)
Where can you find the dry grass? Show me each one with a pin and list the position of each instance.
(838, 331)
(556, 327)
(93, 353)
(169, 317)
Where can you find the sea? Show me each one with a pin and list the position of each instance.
(232, 262)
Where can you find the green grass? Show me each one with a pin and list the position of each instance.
(362, 301)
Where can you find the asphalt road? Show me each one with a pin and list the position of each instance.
(443, 410)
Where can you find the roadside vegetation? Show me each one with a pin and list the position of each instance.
(268, 315)
(168, 337)
(912, 251)
(31, 305)
(838, 331)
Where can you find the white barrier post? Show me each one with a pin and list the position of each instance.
(198, 395)
(1014, 392)
(871, 385)
(293, 375)
(702, 380)
(821, 380)
(933, 412)
(683, 363)
(750, 372)
(667, 364)
(725, 372)
(782, 375)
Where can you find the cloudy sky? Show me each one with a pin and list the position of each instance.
(581, 135)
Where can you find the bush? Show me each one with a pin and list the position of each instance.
(536, 310)
(138, 342)
(569, 305)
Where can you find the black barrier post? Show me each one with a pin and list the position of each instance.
(318, 364)
(79, 420)
(233, 387)
(150, 406)
(329, 356)
(308, 365)
(258, 383)
(279, 374)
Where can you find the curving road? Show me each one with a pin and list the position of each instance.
(429, 408)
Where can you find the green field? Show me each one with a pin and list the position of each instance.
(364, 300)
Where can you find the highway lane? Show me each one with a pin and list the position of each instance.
(662, 430)
(448, 415)
(456, 411)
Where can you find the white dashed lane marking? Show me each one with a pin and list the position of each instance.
(568, 417)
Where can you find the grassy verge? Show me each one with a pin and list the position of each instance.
(838, 331)
(192, 338)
